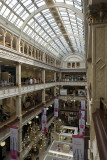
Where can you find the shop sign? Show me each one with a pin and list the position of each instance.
(78, 147)
(81, 121)
(56, 106)
(44, 120)
(14, 142)
(83, 104)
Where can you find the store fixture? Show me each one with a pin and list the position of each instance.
(63, 152)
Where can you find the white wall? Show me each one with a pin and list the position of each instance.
(73, 58)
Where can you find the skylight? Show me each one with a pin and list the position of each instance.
(42, 27)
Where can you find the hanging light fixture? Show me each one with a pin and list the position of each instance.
(3, 144)
(30, 122)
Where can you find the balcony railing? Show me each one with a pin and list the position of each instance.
(27, 116)
(5, 130)
(6, 92)
(10, 91)
(100, 124)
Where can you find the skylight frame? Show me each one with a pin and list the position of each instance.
(18, 11)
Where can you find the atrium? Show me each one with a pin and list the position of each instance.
(53, 79)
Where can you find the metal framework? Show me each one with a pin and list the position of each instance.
(55, 24)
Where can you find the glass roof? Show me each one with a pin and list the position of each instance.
(42, 26)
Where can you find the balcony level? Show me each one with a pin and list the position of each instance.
(6, 92)
(27, 115)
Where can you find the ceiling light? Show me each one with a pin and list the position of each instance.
(30, 122)
(1, 61)
(37, 116)
(3, 144)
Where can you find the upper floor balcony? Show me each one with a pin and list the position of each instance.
(7, 53)
(27, 115)
(9, 91)
(16, 49)
(72, 83)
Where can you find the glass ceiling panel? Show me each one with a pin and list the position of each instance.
(42, 27)
(72, 22)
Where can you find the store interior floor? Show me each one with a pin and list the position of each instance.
(42, 154)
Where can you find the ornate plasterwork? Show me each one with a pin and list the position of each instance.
(100, 64)
(73, 57)
(97, 13)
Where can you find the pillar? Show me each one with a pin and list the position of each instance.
(97, 62)
(55, 62)
(4, 37)
(18, 45)
(37, 54)
(19, 116)
(19, 110)
(89, 72)
(40, 56)
(44, 57)
(54, 76)
(23, 46)
(18, 74)
(27, 49)
(34, 53)
(60, 76)
(55, 84)
(31, 50)
(48, 59)
(55, 91)
(0, 72)
(43, 75)
(43, 96)
(11, 41)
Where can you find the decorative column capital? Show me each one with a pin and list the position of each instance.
(97, 13)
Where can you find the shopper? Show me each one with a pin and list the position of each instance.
(31, 81)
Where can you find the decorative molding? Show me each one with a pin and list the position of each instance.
(9, 54)
(74, 70)
(100, 64)
(97, 13)
(76, 55)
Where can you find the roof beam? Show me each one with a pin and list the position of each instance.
(59, 22)
(81, 39)
(63, 5)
